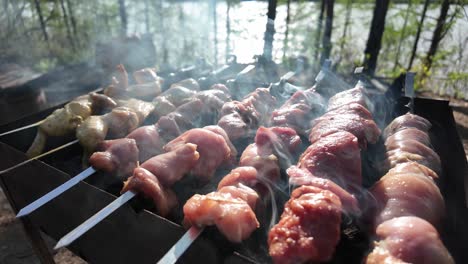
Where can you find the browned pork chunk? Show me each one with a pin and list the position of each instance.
(407, 121)
(309, 228)
(408, 240)
(356, 95)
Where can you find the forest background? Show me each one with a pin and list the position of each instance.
(387, 37)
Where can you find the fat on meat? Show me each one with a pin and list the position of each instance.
(232, 215)
(411, 150)
(309, 228)
(213, 149)
(119, 156)
(408, 239)
(171, 166)
(407, 194)
(300, 177)
(407, 121)
(336, 157)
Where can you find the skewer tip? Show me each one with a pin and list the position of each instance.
(60, 244)
(22, 213)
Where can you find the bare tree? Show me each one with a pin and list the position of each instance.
(37, 5)
(349, 5)
(374, 41)
(326, 40)
(160, 14)
(418, 34)
(318, 33)
(270, 30)
(439, 33)
(147, 21)
(215, 31)
(286, 33)
(228, 30)
(72, 19)
(67, 25)
(123, 17)
(402, 36)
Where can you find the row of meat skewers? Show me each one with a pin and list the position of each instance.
(327, 176)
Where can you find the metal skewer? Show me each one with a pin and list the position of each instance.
(409, 90)
(178, 249)
(96, 218)
(40, 156)
(21, 128)
(55, 192)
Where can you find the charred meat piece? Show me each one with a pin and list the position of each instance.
(407, 121)
(336, 157)
(300, 177)
(298, 110)
(213, 148)
(356, 95)
(171, 166)
(408, 240)
(309, 228)
(351, 120)
(146, 183)
(232, 215)
(407, 194)
(118, 156)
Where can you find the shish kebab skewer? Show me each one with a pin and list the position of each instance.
(195, 105)
(88, 172)
(128, 194)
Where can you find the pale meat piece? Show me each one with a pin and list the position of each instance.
(299, 110)
(189, 83)
(148, 84)
(146, 75)
(407, 194)
(170, 99)
(145, 183)
(411, 150)
(309, 228)
(119, 156)
(148, 141)
(260, 103)
(171, 166)
(116, 124)
(266, 165)
(408, 240)
(213, 149)
(234, 125)
(246, 175)
(336, 157)
(413, 168)
(242, 192)
(218, 130)
(407, 121)
(356, 95)
(141, 108)
(409, 133)
(233, 216)
(281, 141)
(352, 108)
(299, 177)
(366, 130)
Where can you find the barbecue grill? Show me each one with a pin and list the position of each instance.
(134, 235)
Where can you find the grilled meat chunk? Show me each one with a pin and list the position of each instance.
(118, 156)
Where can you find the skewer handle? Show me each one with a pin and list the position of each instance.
(178, 249)
(94, 220)
(55, 192)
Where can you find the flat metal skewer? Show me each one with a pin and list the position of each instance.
(178, 249)
(55, 192)
(95, 219)
(21, 128)
(39, 156)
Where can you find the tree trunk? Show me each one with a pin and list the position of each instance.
(37, 5)
(147, 22)
(160, 14)
(326, 41)
(374, 41)
(286, 33)
(215, 33)
(123, 17)
(349, 6)
(318, 34)
(71, 13)
(228, 30)
(402, 36)
(437, 36)
(6, 10)
(418, 34)
(183, 29)
(270, 30)
(67, 25)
